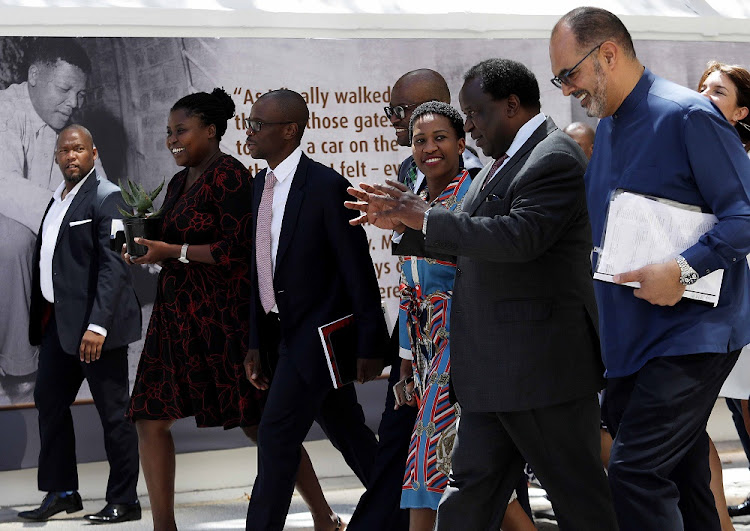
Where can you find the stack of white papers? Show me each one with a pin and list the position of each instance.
(642, 230)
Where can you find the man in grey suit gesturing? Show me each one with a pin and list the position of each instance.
(525, 360)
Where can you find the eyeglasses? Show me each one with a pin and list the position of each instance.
(256, 125)
(399, 110)
(563, 78)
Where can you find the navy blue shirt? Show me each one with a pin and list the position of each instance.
(669, 141)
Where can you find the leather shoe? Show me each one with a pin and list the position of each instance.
(52, 504)
(114, 513)
(742, 509)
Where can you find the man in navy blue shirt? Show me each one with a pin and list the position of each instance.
(666, 359)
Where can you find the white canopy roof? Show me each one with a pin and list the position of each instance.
(659, 19)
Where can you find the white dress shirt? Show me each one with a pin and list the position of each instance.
(50, 231)
(284, 174)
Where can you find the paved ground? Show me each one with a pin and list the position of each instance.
(212, 494)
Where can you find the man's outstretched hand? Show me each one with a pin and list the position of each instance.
(389, 206)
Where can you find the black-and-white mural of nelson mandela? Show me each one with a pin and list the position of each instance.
(43, 86)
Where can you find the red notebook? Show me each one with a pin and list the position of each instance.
(339, 339)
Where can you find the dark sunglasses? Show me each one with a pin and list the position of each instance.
(399, 110)
(256, 125)
(563, 78)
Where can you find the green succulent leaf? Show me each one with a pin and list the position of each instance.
(125, 212)
(136, 196)
(153, 195)
(126, 195)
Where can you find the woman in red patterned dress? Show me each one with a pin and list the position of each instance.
(191, 363)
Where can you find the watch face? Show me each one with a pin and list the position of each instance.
(688, 278)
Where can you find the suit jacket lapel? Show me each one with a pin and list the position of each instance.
(474, 190)
(87, 187)
(537, 136)
(291, 210)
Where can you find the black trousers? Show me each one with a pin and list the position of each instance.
(658, 468)
(58, 380)
(380, 506)
(562, 445)
(291, 407)
(735, 406)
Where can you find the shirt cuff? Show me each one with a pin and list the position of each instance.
(98, 329)
(404, 353)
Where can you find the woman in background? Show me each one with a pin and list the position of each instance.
(191, 365)
(728, 87)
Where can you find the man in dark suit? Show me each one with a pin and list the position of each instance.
(525, 362)
(84, 313)
(310, 267)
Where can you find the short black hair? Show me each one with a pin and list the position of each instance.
(443, 109)
(215, 108)
(502, 77)
(47, 51)
(592, 26)
(80, 128)
(293, 106)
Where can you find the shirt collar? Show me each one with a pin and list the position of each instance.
(524, 133)
(288, 166)
(58, 193)
(636, 95)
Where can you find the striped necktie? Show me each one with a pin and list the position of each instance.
(263, 245)
(495, 166)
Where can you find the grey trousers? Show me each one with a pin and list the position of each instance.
(17, 357)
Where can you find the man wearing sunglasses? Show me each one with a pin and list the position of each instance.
(411, 90)
(666, 358)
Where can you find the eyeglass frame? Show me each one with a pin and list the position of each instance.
(563, 78)
(248, 123)
(400, 114)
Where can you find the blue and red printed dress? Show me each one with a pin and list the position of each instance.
(424, 320)
(197, 338)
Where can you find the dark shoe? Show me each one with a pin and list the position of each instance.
(114, 513)
(52, 504)
(742, 509)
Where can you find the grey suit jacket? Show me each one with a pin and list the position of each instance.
(524, 319)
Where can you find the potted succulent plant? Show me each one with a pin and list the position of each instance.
(143, 221)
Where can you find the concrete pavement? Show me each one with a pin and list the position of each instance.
(213, 488)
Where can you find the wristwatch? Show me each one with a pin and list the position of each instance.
(183, 254)
(688, 275)
(424, 222)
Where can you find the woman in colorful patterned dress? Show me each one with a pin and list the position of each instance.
(196, 341)
(438, 140)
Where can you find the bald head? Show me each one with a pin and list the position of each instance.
(289, 106)
(413, 89)
(583, 134)
(423, 85)
(84, 134)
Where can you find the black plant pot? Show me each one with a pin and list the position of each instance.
(149, 228)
